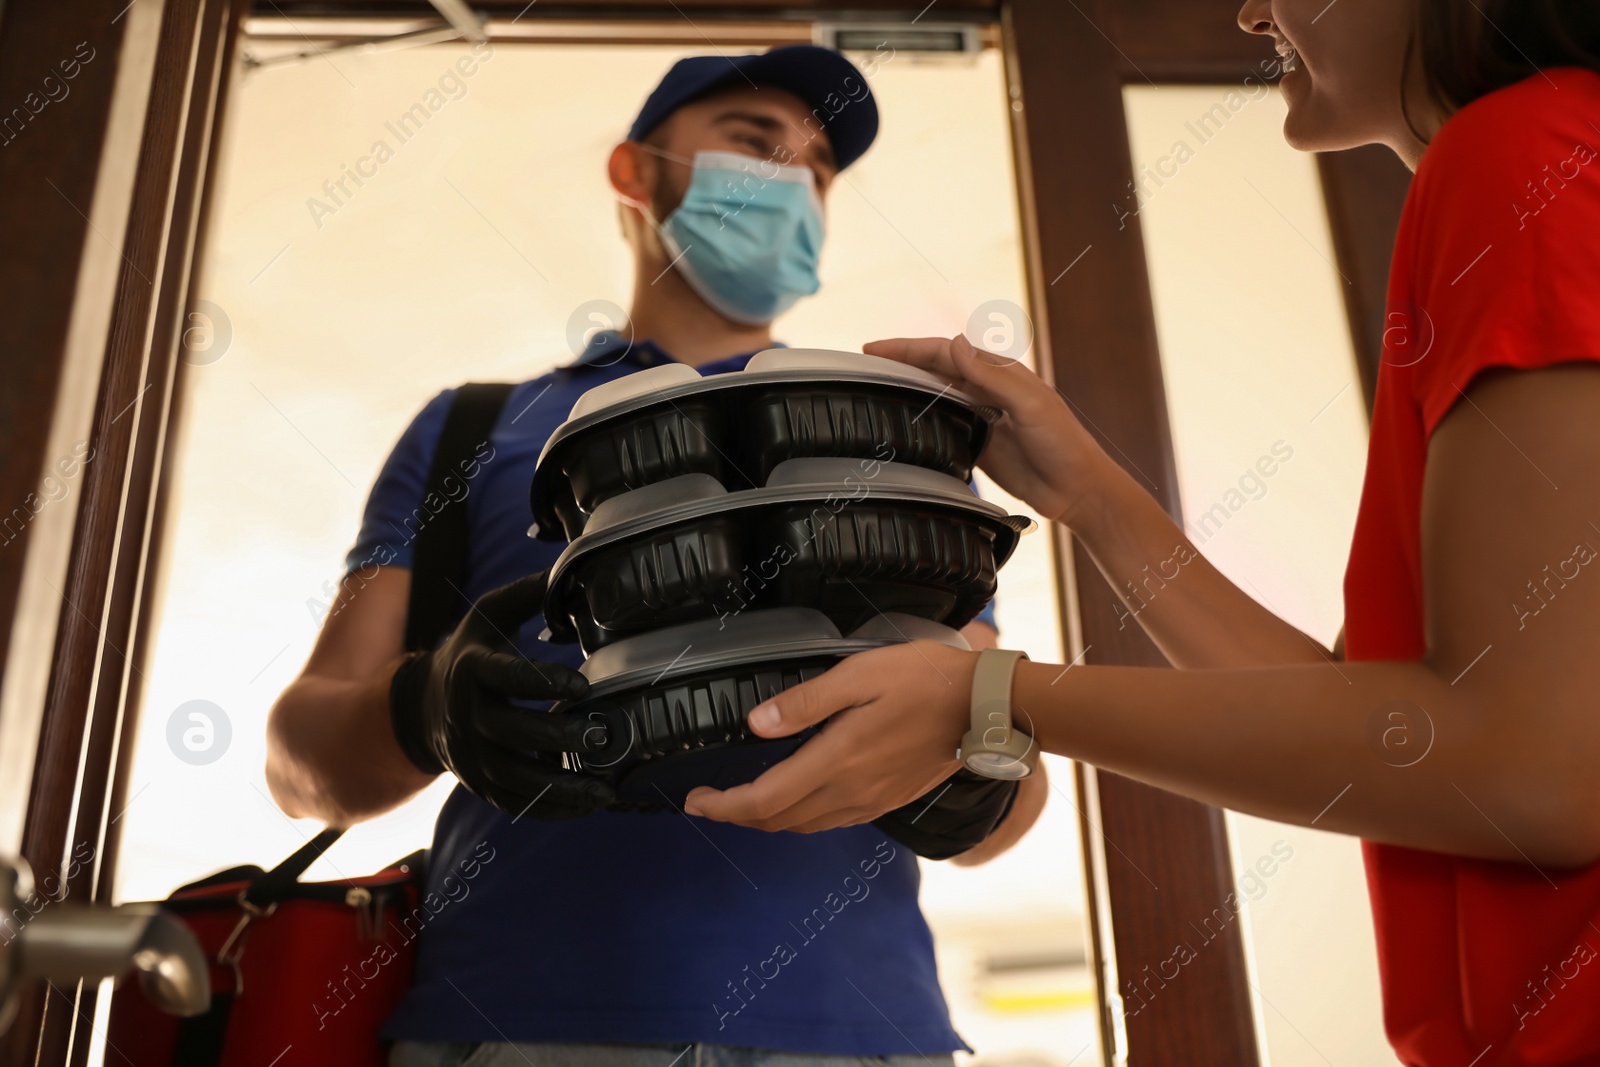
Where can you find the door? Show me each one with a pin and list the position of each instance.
(95, 355)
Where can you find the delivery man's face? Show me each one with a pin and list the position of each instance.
(767, 123)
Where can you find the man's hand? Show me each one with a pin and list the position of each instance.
(451, 710)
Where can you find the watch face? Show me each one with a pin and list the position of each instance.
(997, 765)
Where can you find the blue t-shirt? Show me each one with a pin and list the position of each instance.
(630, 927)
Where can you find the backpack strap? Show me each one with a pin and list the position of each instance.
(439, 557)
(272, 887)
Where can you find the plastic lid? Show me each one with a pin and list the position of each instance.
(747, 632)
(632, 386)
(799, 364)
(657, 496)
(824, 363)
(832, 475)
(817, 478)
(894, 627)
(837, 478)
(751, 637)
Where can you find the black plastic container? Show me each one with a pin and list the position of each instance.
(667, 739)
(897, 423)
(657, 443)
(674, 700)
(670, 421)
(894, 556)
(851, 538)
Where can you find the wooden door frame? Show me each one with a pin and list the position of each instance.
(104, 320)
(120, 298)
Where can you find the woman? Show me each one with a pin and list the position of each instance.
(1470, 616)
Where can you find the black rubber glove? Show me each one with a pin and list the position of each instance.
(953, 817)
(452, 711)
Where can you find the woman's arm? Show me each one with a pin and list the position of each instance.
(1032, 792)
(1485, 747)
(1195, 615)
(1040, 452)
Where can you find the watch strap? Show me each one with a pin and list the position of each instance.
(992, 727)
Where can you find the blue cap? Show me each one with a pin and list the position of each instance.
(830, 85)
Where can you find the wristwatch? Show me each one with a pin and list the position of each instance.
(994, 747)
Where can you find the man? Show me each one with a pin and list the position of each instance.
(620, 938)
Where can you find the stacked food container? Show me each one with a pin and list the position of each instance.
(732, 535)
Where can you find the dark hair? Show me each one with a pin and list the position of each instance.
(1470, 48)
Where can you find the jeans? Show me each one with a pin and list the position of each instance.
(499, 1054)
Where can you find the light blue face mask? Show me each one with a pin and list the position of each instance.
(747, 235)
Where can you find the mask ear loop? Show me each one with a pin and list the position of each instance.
(658, 226)
(664, 154)
(644, 208)
(755, 161)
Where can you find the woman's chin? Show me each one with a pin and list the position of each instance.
(1307, 131)
(1300, 138)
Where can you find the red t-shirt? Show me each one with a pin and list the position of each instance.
(1497, 263)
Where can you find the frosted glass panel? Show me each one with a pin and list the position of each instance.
(1270, 434)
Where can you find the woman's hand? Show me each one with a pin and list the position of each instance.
(1038, 452)
(901, 714)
